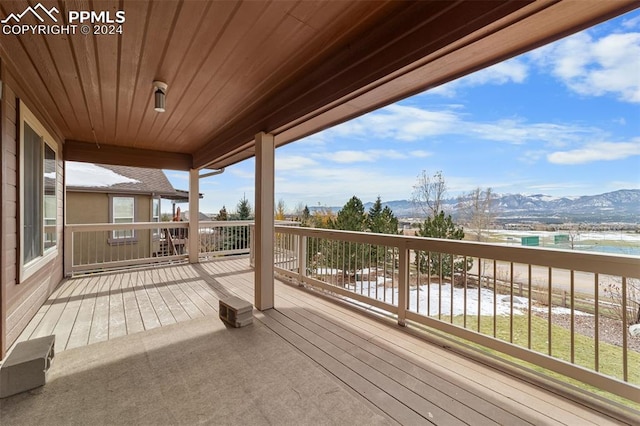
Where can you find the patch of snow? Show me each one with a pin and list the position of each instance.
(558, 310)
(327, 271)
(441, 303)
(547, 198)
(88, 175)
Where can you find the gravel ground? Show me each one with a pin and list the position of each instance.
(610, 330)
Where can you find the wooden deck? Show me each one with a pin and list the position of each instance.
(404, 378)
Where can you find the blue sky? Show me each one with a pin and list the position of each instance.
(561, 120)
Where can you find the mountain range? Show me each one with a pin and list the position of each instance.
(617, 206)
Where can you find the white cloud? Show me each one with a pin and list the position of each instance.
(334, 186)
(554, 187)
(293, 162)
(596, 67)
(630, 184)
(601, 151)
(532, 156)
(398, 122)
(410, 123)
(419, 153)
(632, 22)
(510, 71)
(241, 173)
(177, 175)
(369, 156)
(516, 131)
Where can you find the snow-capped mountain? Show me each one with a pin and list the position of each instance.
(617, 206)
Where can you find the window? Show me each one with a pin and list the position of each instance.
(50, 198)
(155, 215)
(38, 195)
(123, 211)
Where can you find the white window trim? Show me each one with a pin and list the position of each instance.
(155, 234)
(122, 240)
(25, 271)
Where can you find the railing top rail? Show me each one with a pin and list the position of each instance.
(603, 263)
(244, 222)
(88, 227)
(225, 222)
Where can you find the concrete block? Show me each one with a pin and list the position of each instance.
(27, 365)
(235, 311)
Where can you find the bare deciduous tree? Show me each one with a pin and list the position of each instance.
(478, 210)
(573, 233)
(629, 298)
(428, 193)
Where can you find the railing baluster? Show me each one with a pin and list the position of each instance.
(625, 324)
(451, 285)
(550, 297)
(495, 301)
(511, 302)
(464, 288)
(429, 254)
(573, 318)
(479, 316)
(529, 309)
(596, 301)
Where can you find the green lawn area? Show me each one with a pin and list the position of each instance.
(610, 356)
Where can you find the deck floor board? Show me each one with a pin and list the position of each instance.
(393, 371)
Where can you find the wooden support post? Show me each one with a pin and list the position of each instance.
(194, 215)
(264, 231)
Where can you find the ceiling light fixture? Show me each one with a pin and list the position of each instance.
(160, 92)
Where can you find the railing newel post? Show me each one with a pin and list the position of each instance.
(403, 283)
(302, 259)
(68, 250)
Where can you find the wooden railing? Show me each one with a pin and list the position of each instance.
(506, 299)
(109, 246)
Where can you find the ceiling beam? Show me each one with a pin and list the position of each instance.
(89, 152)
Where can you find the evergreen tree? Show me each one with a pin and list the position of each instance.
(243, 210)
(305, 220)
(435, 263)
(351, 217)
(375, 215)
(382, 221)
(238, 237)
(347, 256)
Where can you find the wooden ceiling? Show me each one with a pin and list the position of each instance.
(237, 68)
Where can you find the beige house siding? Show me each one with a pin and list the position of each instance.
(93, 207)
(20, 301)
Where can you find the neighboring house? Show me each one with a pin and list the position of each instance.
(202, 217)
(98, 193)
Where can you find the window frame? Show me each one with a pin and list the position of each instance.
(155, 234)
(46, 254)
(113, 239)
